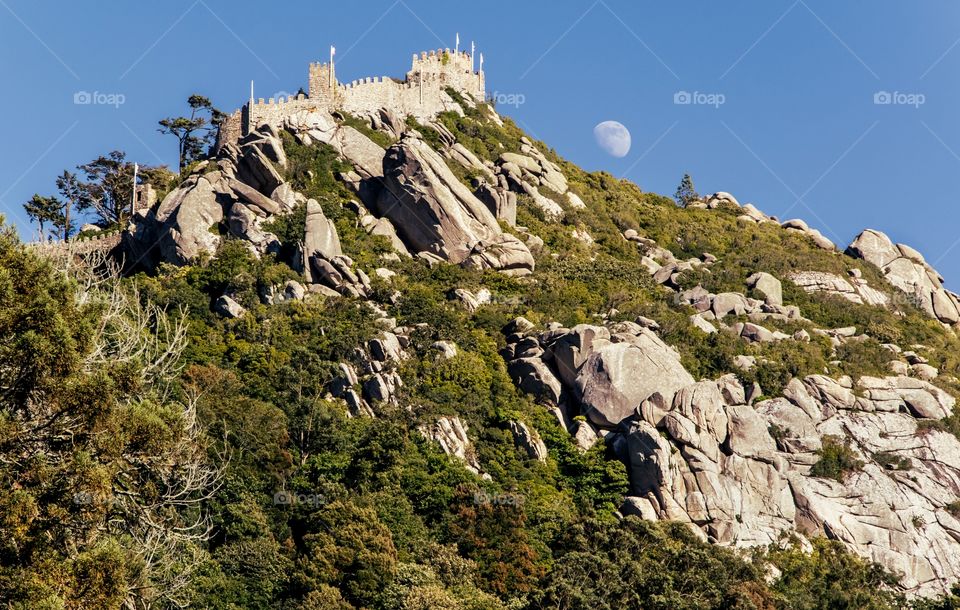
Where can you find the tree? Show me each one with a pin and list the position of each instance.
(42, 210)
(108, 188)
(103, 476)
(71, 189)
(686, 193)
(196, 132)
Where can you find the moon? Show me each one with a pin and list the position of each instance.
(613, 138)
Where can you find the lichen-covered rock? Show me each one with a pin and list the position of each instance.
(767, 285)
(320, 235)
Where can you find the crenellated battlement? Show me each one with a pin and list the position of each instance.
(422, 93)
(100, 243)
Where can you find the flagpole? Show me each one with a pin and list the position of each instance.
(480, 75)
(456, 49)
(333, 51)
(133, 198)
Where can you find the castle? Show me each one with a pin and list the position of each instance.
(421, 94)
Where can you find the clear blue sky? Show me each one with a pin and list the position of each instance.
(798, 134)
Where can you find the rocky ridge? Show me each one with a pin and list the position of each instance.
(713, 453)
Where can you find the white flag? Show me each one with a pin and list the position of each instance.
(458, 41)
(333, 51)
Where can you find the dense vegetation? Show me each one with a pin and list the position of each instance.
(295, 504)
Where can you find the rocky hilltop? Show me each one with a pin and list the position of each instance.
(735, 389)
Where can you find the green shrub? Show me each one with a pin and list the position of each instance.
(892, 461)
(379, 137)
(837, 459)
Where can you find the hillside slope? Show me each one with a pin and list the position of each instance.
(462, 368)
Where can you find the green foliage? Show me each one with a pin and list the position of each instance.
(837, 459)
(865, 357)
(383, 518)
(44, 210)
(686, 193)
(194, 133)
(949, 601)
(638, 564)
(90, 444)
(892, 461)
(830, 577)
(364, 127)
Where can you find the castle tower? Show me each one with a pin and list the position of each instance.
(322, 81)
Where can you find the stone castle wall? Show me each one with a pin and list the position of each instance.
(80, 246)
(421, 95)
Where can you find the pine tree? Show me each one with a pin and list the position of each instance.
(42, 210)
(686, 193)
(195, 132)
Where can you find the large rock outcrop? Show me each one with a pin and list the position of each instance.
(740, 473)
(608, 372)
(242, 189)
(364, 154)
(437, 214)
(186, 216)
(906, 270)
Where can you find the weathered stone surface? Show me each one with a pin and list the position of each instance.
(615, 379)
(386, 347)
(533, 376)
(256, 169)
(445, 349)
(907, 271)
(451, 434)
(320, 234)
(226, 306)
(434, 212)
(245, 224)
(501, 202)
(571, 350)
(505, 253)
(185, 217)
(529, 441)
(722, 197)
(362, 152)
(768, 285)
(818, 281)
(698, 321)
(703, 404)
(698, 453)
(729, 303)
